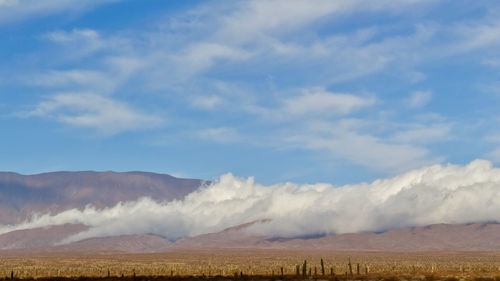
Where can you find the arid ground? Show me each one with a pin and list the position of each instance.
(372, 265)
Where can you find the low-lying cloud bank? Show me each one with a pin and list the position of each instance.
(434, 194)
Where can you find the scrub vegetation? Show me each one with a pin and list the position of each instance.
(255, 264)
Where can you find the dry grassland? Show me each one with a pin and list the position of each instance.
(372, 265)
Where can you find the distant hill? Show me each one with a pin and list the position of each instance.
(46, 239)
(471, 237)
(439, 237)
(20, 195)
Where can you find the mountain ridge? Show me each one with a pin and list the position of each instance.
(23, 195)
(436, 237)
(53, 192)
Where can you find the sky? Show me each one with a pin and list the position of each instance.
(286, 90)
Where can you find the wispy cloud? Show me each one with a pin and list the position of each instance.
(257, 19)
(313, 103)
(421, 134)
(76, 79)
(345, 140)
(214, 59)
(324, 122)
(477, 35)
(19, 10)
(222, 135)
(494, 155)
(419, 98)
(76, 35)
(93, 111)
(319, 101)
(207, 102)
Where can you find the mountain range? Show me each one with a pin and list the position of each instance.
(21, 196)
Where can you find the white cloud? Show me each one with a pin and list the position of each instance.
(491, 88)
(203, 55)
(477, 35)
(257, 32)
(19, 10)
(491, 61)
(253, 20)
(493, 137)
(7, 3)
(322, 122)
(349, 55)
(319, 101)
(175, 60)
(423, 134)
(93, 111)
(494, 155)
(116, 71)
(313, 103)
(221, 134)
(379, 144)
(429, 195)
(260, 38)
(79, 43)
(363, 149)
(75, 35)
(56, 78)
(419, 99)
(73, 79)
(207, 102)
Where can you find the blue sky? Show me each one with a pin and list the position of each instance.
(302, 91)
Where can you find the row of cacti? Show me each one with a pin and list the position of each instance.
(305, 271)
(323, 273)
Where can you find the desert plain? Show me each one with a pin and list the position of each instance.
(253, 263)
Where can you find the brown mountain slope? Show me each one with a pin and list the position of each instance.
(142, 243)
(21, 195)
(38, 237)
(47, 239)
(473, 237)
(233, 237)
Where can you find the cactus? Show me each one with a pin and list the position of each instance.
(282, 273)
(350, 266)
(322, 268)
(304, 269)
(357, 268)
(298, 270)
